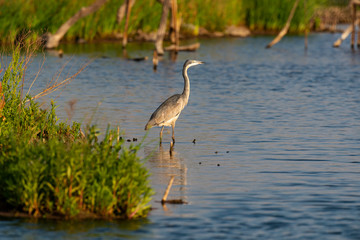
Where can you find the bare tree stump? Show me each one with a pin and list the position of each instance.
(286, 27)
(125, 36)
(354, 4)
(175, 28)
(53, 40)
(162, 28)
(353, 25)
(306, 27)
(358, 39)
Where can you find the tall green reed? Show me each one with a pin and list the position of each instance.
(20, 16)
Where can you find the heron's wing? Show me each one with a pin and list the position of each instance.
(167, 110)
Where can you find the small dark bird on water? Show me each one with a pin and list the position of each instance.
(168, 112)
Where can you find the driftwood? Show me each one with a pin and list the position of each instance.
(163, 200)
(53, 40)
(162, 28)
(191, 47)
(172, 201)
(286, 27)
(345, 34)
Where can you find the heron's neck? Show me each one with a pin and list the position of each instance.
(186, 92)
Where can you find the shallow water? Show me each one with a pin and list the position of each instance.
(277, 131)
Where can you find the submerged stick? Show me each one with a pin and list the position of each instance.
(163, 200)
(155, 60)
(286, 28)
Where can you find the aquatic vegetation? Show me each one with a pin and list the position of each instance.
(49, 168)
(20, 16)
(272, 15)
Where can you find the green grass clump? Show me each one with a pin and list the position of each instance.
(49, 168)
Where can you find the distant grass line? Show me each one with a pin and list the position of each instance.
(39, 16)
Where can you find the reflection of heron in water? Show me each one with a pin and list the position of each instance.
(164, 165)
(168, 112)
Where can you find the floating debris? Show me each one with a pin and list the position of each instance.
(138, 59)
(174, 201)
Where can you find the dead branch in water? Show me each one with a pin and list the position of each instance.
(53, 40)
(286, 27)
(163, 200)
(173, 201)
(345, 34)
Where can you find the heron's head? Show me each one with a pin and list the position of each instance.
(190, 63)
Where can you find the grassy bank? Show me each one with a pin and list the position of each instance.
(19, 16)
(51, 169)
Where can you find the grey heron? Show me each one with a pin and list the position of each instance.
(168, 112)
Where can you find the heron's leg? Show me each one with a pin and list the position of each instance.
(161, 131)
(173, 133)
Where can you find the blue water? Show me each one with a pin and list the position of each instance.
(277, 152)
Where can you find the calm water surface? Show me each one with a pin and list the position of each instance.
(277, 153)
